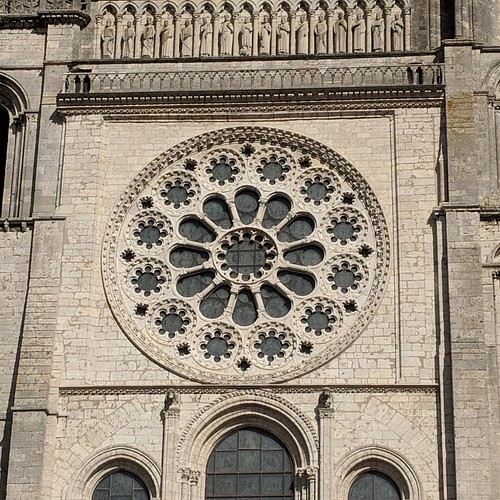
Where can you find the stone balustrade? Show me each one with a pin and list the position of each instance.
(247, 79)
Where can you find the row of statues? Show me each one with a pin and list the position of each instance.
(246, 35)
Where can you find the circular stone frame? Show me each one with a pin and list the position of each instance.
(280, 233)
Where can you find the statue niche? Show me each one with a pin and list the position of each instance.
(206, 35)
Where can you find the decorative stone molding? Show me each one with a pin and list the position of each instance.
(240, 408)
(247, 258)
(289, 389)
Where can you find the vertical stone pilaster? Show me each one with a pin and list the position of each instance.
(325, 414)
(466, 371)
(170, 417)
(32, 411)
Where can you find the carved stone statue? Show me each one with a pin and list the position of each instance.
(206, 37)
(378, 33)
(397, 29)
(341, 34)
(302, 31)
(186, 37)
(167, 39)
(246, 30)
(108, 40)
(226, 35)
(265, 37)
(148, 39)
(171, 401)
(128, 39)
(320, 31)
(359, 33)
(283, 34)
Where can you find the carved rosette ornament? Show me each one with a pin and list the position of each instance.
(245, 255)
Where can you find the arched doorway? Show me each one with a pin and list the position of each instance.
(247, 464)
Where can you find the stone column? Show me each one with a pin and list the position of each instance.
(255, 34)
(196, 34)
(407, 29)
(156, 52)
(215, 35)
(118, 36)
(236, 34)
(293, 34)
(312, 22)
(177, 34)
(331, 24)
(97, 38)
(170, 418)
(138, 35)
(368, 41)
(463, 19)
(388, 26)
(274, 18)
(349, 13)
(311, 474)
(189, 482)
(325, 415)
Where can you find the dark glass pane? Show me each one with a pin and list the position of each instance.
(211, 462)
(308, 255)
(385, 488)
(247, 204)
(245, 310)
(187, 257)
(269, 443)
(209, 484)
(121, 483)
(276, 210)
(297, 229)
(272, 461)
(226, 461)
(230, 443)
(362, 489)
(218, 212)
(140, 495)
(275, 303)
(272, 484)
(214, 304)
(249, 461)
(225, 485)
(190, 285)
(105, 483)
(258, 475)
(374, 486)
(101, 495)
(196, 230)
(249, 439)
(301, 284)
(249, 484)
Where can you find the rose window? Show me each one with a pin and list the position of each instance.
(241, 261)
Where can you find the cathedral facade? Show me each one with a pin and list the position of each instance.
(249, 250)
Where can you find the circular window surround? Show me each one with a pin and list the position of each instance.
(112, 460)
(382, 460)
(347, 273)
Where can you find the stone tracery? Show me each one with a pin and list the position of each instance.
(271, 269)
(252, 30)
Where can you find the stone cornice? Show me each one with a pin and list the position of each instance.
(44, 18)
(251, 102)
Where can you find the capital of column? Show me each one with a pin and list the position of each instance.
(496, 275)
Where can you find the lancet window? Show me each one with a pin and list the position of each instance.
(246, 30)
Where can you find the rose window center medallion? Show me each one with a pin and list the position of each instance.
(233, 259)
